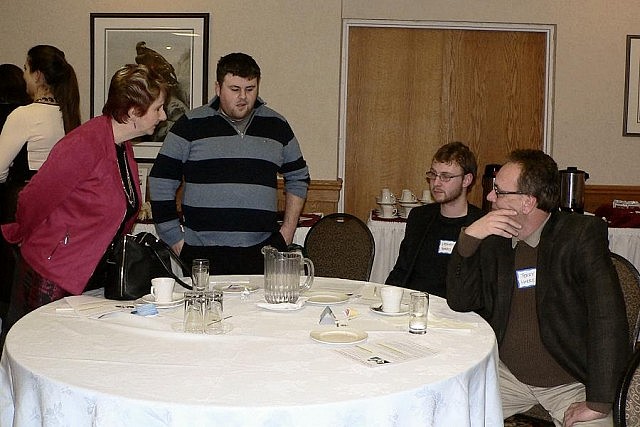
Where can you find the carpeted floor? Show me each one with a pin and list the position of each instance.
(520, 420)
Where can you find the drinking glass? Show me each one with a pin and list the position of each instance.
(194, 315)
(200, 274)
(418, 310)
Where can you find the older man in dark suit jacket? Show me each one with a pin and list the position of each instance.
(544, 281)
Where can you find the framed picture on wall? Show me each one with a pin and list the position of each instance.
(631, 126)
(176, 45)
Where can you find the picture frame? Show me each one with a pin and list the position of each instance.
(631, 120)
(176, 45)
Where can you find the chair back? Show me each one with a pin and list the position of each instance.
(630, 283)
(341, 245)
(626, 408)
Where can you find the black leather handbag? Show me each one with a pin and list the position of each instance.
(131, 263)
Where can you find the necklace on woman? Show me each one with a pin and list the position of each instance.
(131, 197)
(127, 182)
(46, 100)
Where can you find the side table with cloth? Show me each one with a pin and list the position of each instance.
(388, 235)
(626, 242)
(63, 368)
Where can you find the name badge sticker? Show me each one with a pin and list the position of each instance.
(446, 246)
(526, 278)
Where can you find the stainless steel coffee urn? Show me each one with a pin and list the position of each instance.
(572, 182)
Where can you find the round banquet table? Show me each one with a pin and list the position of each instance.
(63, 367)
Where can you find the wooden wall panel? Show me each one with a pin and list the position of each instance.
(323, 196)
(597, 195)
(410, 90)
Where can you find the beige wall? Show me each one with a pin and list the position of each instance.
(298, 46)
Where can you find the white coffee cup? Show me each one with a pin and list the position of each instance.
(386, 196)
(406, 208)
(391, 298)
(407, 196)
(162, 289)
(426, 196)
(388, 211)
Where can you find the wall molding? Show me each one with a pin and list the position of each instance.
(323, 196)
(597, 195)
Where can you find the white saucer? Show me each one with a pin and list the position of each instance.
(234, 287)
(178, 297)
(285, 306)
(342, 335)
(377, 308)
(388, 217)
(326, 298)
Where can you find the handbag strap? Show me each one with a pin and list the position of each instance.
(158, 246)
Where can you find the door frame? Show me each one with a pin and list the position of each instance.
(550, 36)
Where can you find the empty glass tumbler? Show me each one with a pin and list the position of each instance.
(200, 274)
(418, 311)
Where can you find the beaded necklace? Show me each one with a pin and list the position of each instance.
(46, 100)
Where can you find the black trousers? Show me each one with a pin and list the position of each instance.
(233, 260)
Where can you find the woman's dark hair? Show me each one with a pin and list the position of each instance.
(13, 88)
(133, 86)
(61, 78)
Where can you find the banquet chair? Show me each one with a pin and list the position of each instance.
(626, 408)
(630, 282)
(341, 245)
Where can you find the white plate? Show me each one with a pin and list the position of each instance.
(326, 298)
(340, 335)
(377, 308)
(234, 287)
(178, 297)
(388, 217)
(285, 306)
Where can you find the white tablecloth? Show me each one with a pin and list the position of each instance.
(626, 242)
(62, 369)
(389, 235)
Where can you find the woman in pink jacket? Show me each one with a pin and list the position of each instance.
(85, 195)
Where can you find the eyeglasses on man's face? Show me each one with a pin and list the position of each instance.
(444, 177)
(504, 193)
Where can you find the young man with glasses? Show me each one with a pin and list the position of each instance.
(432, 230)
(544, 281)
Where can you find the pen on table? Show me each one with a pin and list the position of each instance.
(364, 348)
(392, 348)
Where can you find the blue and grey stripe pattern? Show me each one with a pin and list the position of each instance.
(230, 180)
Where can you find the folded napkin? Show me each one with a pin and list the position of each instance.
(283, 306)
(90, 306)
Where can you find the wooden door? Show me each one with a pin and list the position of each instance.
(410, 90)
